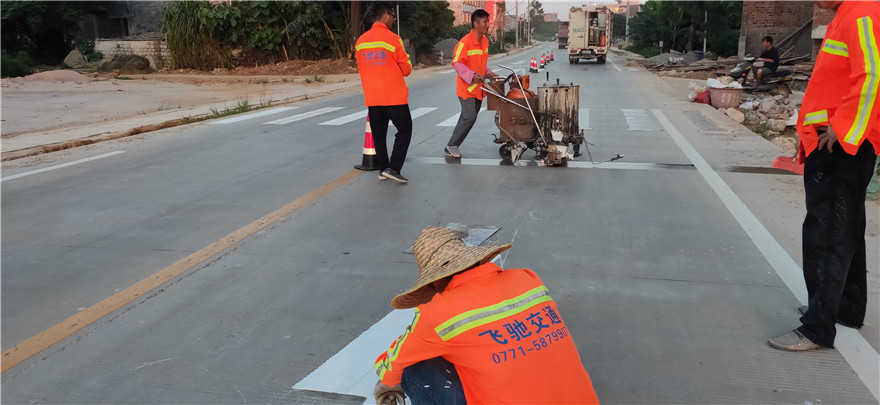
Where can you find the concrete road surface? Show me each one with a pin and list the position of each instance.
(243, 261)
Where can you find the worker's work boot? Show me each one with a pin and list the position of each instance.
(793, 341)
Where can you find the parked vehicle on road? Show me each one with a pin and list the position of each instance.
(562, 34)
(589, 33)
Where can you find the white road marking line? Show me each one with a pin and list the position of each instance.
(68, 164)
(418, 112)
(638, 120)
(860, 355)
(351, 371)
(448, 71)
(303, 116)
(614, 64)
(453, 120)
(346, 119)
(252, 115)
(584, 118)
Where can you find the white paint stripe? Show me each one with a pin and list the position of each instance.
(860, 355)
(450, 122)
(448, 71)
(68, 164)
(638, 120)
(418, 112)
(613, 64)
(571, 164)
(346, 119)
(519, 62)
(584, 118)
(253, 115)
(303, 116)
(453, 120)
(351, 370)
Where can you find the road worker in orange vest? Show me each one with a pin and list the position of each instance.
(481, 335)
(839, 128)
(469, 59)
(382, 64)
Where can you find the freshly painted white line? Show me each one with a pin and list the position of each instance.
(453, 120)
(68, 164)
(860, 355)
(448, 71)
(571, 164)
(252, 115)
(418, 112)
(584, 118)
(615, 65)
(638, 120)
(303, 116)
(346, 119)
(351, 371)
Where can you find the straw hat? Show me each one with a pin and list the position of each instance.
(440, 254)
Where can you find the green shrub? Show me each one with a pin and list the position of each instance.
(13, 66)
(84, 46)
(495, 48)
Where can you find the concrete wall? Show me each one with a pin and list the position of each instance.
(777, 19)
(145, 16)
(156, 51)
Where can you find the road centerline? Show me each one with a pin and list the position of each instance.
(63, 165)
(62, 330)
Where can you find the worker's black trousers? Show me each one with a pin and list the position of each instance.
(400, 116)
(835, 269)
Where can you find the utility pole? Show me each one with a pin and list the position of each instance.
(517, 23)
(627, 24)
(705, 29)
(397, 13)
(529, 22)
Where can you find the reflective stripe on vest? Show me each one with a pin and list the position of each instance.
(835, 48)
(385, 365)
(478, 317)
(473, 86)
(408, 60)
(475, 52)
(868, 97)
(816, 117)
(458, 52)
(377, 44)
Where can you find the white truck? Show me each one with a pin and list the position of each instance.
(589, 33)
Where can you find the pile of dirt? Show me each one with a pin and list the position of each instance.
(57, 76)
(296, 67)
(127, 64)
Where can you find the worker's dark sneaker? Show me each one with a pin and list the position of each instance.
(803, 310)
(793, 341)
(394, 175)
(452, 151)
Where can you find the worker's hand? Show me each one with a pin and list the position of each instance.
(827, 137)
(477, 78)
(381, 389)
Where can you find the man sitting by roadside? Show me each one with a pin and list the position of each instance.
(770, 59)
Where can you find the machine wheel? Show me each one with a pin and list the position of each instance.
(601, 60)
(504, 151)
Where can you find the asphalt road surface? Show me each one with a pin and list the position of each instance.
(243, 261)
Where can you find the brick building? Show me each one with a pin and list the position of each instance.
(496, 9)
(801, 20)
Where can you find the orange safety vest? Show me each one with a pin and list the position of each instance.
(382, 64)
(475, 56)
(843, 90)
(505, 336)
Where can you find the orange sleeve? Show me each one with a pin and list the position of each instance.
(403, 60)
(859, 112)
(419, 342)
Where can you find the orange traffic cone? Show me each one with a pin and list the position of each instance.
(369, 162)
(532, 65)
(542, 62)
(551, 55)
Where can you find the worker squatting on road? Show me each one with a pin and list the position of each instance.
(470, 60)
(383, 63)
(839, 128)
(481, 335)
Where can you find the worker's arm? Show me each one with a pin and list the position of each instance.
(403, 60)
(858, 112)
(420, 342)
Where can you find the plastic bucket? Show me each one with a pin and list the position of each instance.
(725, 98)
